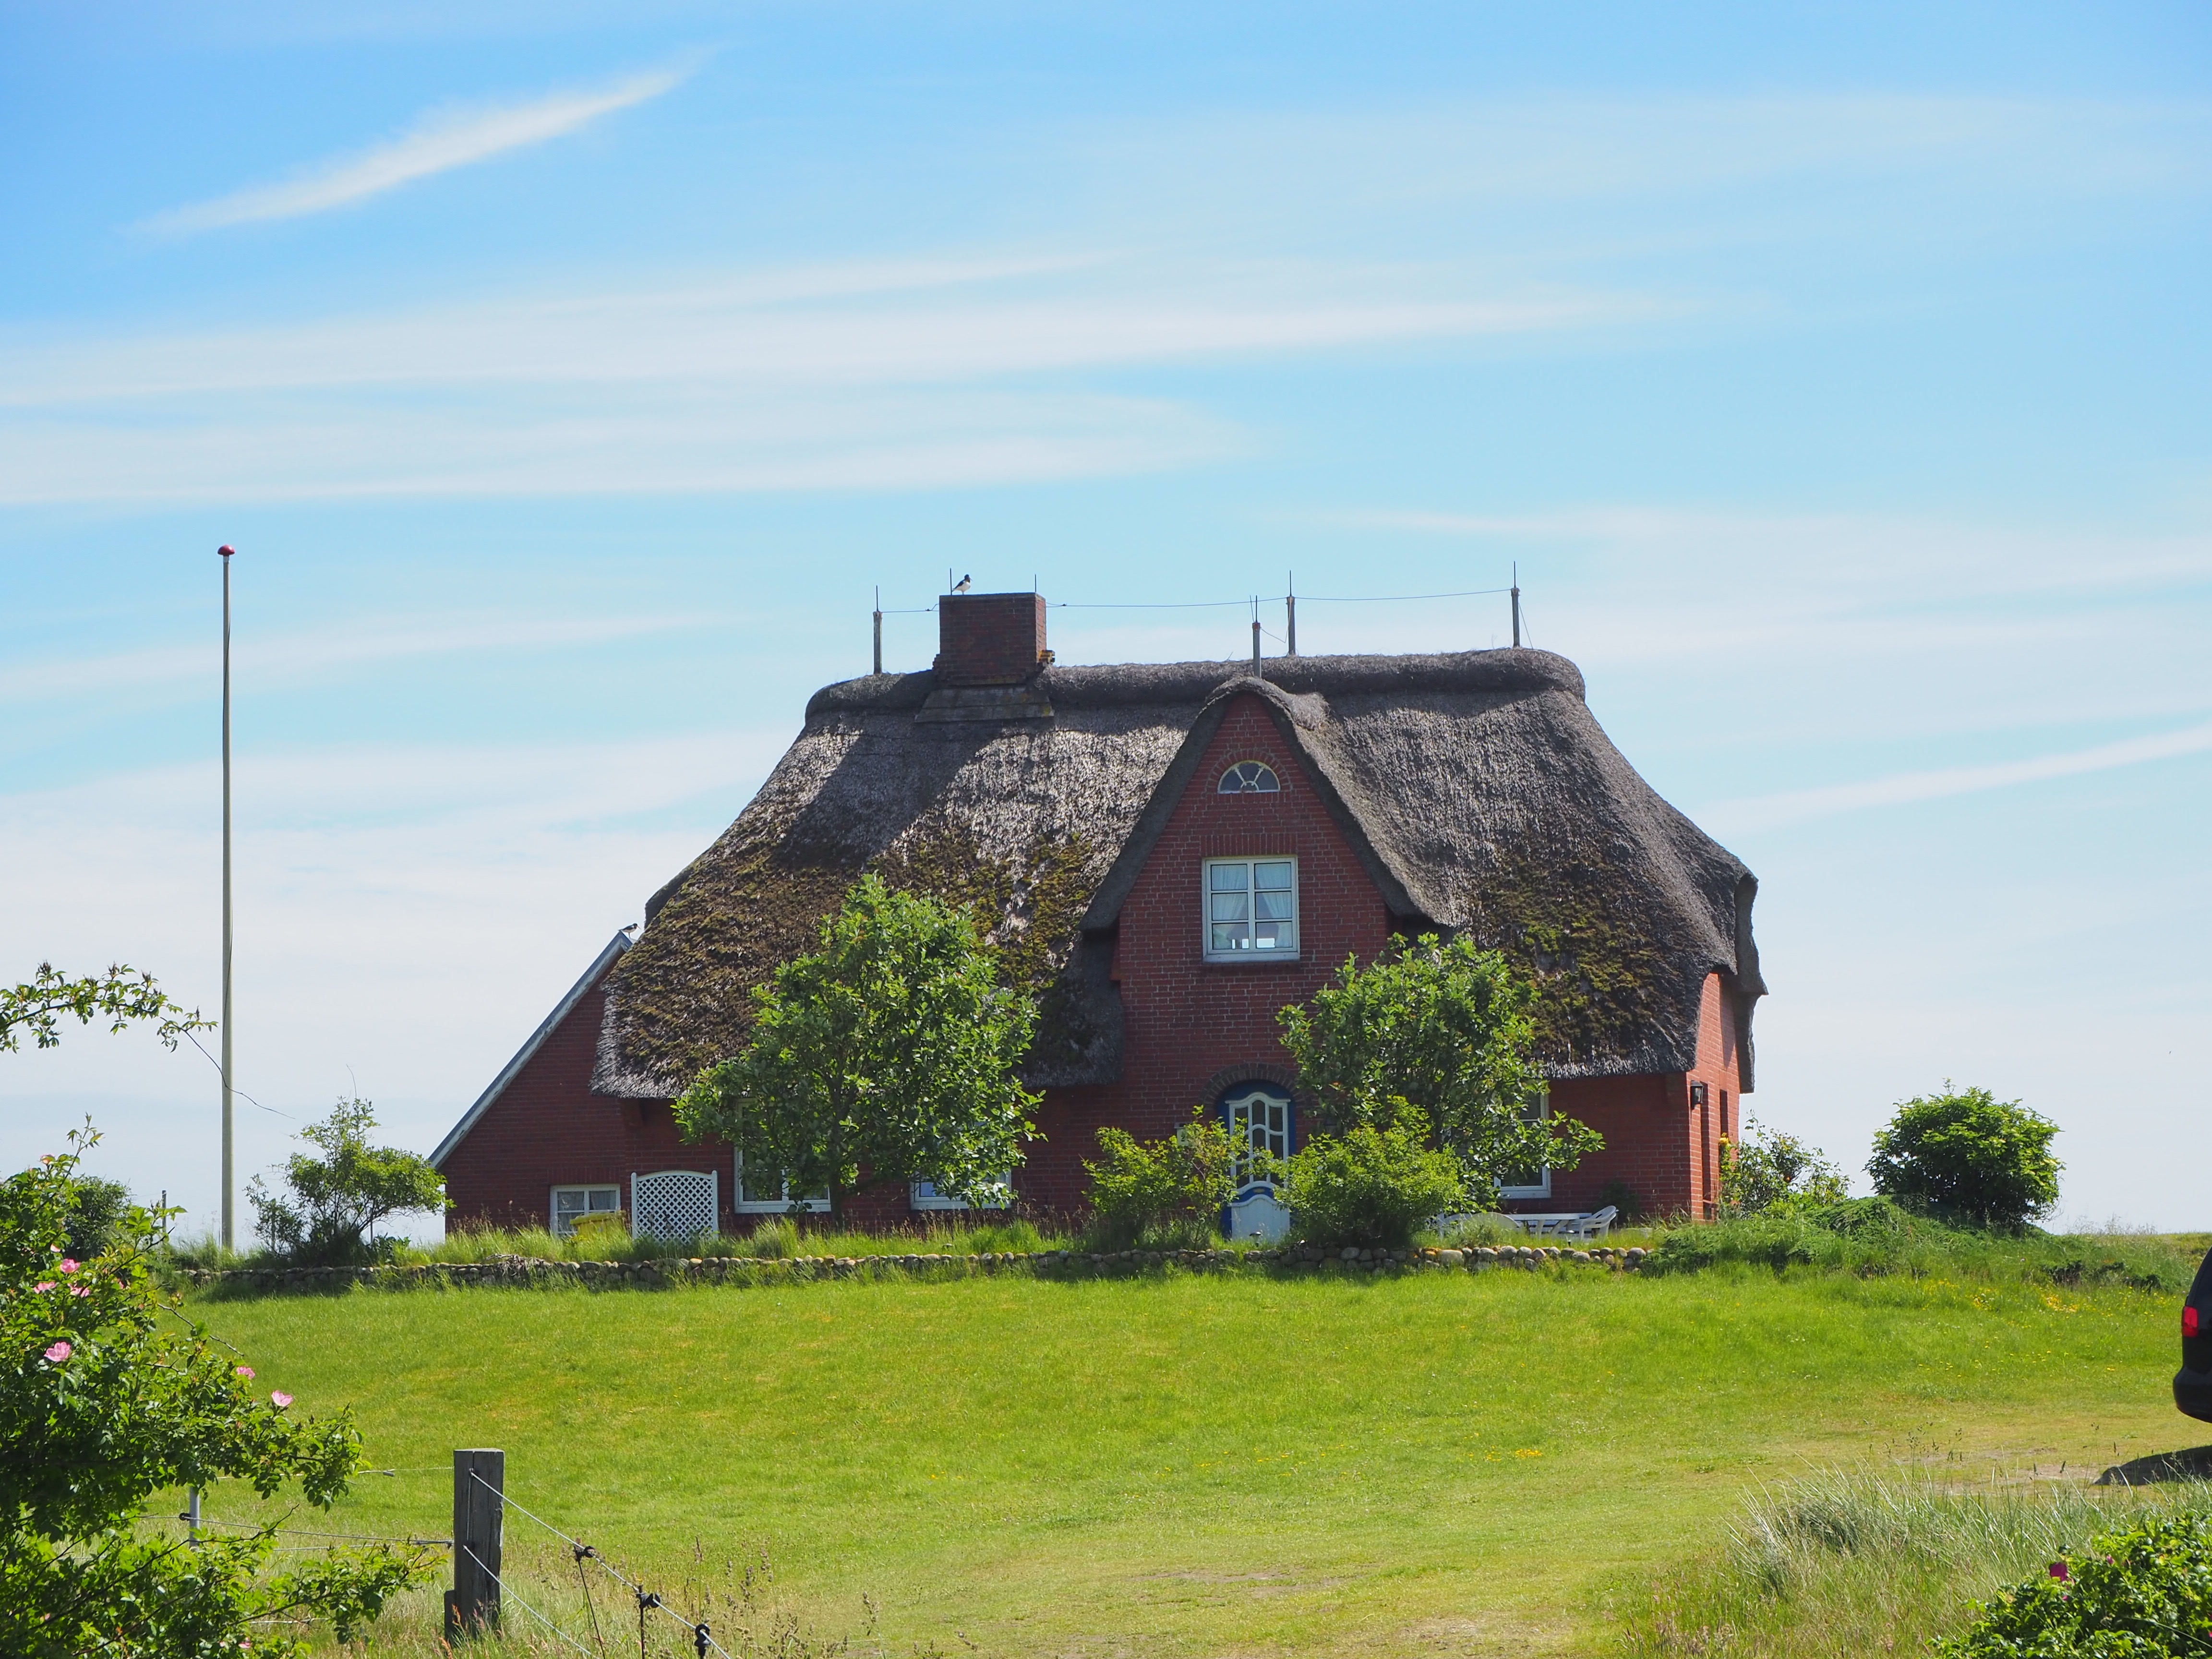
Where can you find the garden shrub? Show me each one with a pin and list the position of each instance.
(1445, 1028)
(1767, 1167)
(98, 1213)
(1374, 1184)
(337, 1200)
(2143, 1591)
(1167, 1192)
(1966, 1156)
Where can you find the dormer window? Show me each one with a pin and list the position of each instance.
(1250, 778)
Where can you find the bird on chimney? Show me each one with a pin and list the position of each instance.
(960, 587)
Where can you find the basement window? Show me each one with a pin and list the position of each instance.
(758, 1197)
(572, 1204)
(1251, 910)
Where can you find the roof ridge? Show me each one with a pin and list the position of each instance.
(1505, 668)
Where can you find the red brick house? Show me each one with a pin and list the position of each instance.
(1167, 855)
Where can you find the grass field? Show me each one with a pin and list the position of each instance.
(1436, 1464)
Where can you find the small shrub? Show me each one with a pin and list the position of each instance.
(1968, 1156)
(1373, 1185)
(1766, 1167)
(99, 1211)
(1163, 1192)
(2143, 1591)
(337, 1200)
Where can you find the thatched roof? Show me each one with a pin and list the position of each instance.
(1477, 787)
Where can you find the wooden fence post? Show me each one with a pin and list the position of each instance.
(472, 1605)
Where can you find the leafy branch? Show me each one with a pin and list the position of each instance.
(122, 995)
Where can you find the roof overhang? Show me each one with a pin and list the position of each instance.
(593, 975)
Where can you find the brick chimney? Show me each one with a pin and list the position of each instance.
(989, 639)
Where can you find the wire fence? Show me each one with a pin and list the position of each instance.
(648, 1602)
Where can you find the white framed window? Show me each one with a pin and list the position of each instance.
(572, 1204)
(1250, 778)
(758, 1197)
(1251, 910)
(924, 1195)
(1259, 1121)
(1524, 1183)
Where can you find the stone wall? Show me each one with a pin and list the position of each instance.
(534, 1272)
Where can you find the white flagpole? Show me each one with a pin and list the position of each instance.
(230, 1219)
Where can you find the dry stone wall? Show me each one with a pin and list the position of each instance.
(533, 1271)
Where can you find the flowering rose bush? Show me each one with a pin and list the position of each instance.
(109, 1395)
(2137, 1594)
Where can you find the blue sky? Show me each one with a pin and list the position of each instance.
(569, 377)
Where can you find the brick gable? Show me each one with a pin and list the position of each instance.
(1191, 1025)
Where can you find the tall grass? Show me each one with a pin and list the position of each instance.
(1868, 1238)
(779, 1237)
(1854, 1561)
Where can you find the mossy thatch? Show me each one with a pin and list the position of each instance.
(1477, 787)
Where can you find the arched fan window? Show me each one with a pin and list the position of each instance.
(1250, 778)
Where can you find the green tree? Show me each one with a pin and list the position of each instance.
(1169, 1191)
(337, 1200)
(888, 1053)
(108, 1396)
(1766, 1167)
(1444, 1029)
(1374, 1184)
(1966, 1156)
(97, 1218)
(120, 996)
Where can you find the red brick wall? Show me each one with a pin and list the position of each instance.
(989, 639)
(1190, 1021)
(1663, 1145)
(549, 1129)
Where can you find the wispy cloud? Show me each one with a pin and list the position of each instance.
(1770, 811)
(437, 143)
(289, 657)
(908, 375)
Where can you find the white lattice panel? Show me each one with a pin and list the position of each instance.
(674, 1204)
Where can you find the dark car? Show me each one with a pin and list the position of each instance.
(2192, 1384)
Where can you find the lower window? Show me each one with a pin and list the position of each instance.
(1530, 1183)
(758, 1197)
(924, 1195)
(572, 1204)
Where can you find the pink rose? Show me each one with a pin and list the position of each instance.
(2058, 1570)
(279, 1398)
(80, 1290)
(59, 1352)
(67, 1265)
(44, 1285)
(245, 1370)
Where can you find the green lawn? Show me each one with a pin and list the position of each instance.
(1433, 1464)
